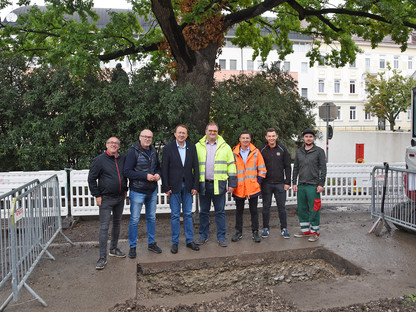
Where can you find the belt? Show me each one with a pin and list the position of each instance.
(209, 181)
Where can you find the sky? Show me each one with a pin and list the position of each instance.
(118, 4)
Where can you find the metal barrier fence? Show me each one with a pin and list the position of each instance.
(6, 203)
(33, 223)
(400, 197)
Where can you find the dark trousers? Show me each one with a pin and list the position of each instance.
(278, 190)
(252, 204)
(115, 206)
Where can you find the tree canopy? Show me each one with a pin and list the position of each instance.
(186, 36)
(257, 102)
(388, 95)
(50, 121)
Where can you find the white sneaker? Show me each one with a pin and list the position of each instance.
(313, 238)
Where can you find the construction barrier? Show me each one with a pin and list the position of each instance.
(34, 220)
(6, 202)
(400, 196)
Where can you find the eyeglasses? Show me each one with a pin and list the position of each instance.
(113, 143)
(212, 131)
(147, 137)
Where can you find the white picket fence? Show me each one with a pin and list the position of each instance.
(346, 183)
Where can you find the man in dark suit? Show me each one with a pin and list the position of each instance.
(180, 173)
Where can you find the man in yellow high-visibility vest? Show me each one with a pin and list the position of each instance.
(216, 170)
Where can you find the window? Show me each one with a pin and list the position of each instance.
(304, 93)
(222, 65)
(337, 86)
(278, 64)
(367, 63)
(286, 66)
(382, 63)
(410, 62)
(322, 61)
(321, 86)
(339, 113)
(304, 67)
(352, 86)
(261, 65)
(233, 64)
(250, 65)
(409, 114)
(352, 64)
(367, 116)
(396, 62)
(353, 112)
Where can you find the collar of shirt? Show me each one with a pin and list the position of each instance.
(184, 145)
(207, 142)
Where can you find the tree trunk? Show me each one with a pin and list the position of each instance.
(201, 76)
(194, 67)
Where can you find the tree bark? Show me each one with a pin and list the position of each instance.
(201, 77)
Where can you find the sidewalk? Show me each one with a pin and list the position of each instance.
(71, 283)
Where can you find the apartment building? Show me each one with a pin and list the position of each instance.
(345, 86)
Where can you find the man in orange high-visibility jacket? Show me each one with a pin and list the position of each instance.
(251, 170)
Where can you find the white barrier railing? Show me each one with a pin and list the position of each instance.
(13, 179)
(346, 183)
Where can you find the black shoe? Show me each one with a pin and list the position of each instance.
(132, 253)
(256, 237)
(155, 248)
(117, 253)
(193, 246)
(174, 248)
(101, 263)
(237, 237)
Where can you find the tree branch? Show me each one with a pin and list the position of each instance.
(319, 13)
(163, 11)
(131, 50)
(257, 10)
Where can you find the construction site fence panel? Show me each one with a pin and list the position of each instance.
(400, 196)
(6, 203)
(34, 221)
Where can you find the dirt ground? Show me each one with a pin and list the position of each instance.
(239, 291)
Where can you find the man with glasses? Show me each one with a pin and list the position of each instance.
(180, 181)
(110, 193)
(216, 166)
(143, 170)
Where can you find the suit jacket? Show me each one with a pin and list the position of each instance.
(174, 173)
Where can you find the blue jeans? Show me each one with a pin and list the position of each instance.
(175, 200)
(204, 207)
(136, 202)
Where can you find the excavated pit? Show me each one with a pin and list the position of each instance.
(223, 275)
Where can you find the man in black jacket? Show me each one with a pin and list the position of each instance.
(277, 181)
(180, 181)
(110, 193)
(143, 170)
